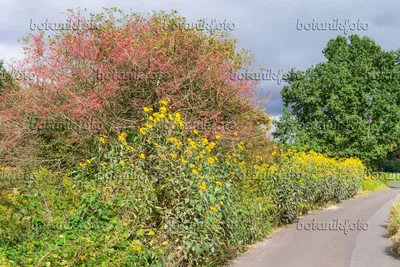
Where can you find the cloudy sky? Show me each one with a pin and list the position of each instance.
(269, 28)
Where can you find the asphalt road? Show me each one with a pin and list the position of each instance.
(328, 241)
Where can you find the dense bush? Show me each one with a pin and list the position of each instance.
(190, 67)
(159, 195)
(299, 181)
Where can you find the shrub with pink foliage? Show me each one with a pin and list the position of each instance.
(190, 67)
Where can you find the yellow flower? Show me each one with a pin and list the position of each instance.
(178, 116)
(10, 195)
(170, 117)
(203, 186)
(105, 163)
(143, 131)
(130, 149)
(204, 141)
(163, 110)
(88, 161)
(195, 131)
(211, 160)
(221, 203)
(122, 163)
(183, 159)
(195, 171)
(173, 155)
(142, 156)
(213, 208)
(241, 146)
(218, 137)
(168, 180)
(148, 125)
(151, 118)
(151, 232)
(164, 102)
(147, 109)
(235, 134)
(273, 153)
(219, 183)
(122, 136)
(81, 164)
(103, 138)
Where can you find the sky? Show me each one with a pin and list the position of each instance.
(273, 30)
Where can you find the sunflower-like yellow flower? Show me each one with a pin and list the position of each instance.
(122, 136)
(204, 141)
(178, 116)
(195, 132)
(213, 208)
(103, 138)
(147, 109)
(211, 146)
(241, 146)
(195, 171)
(221, 203)
(81, 164)
(219, 183)
(164, 102)
(203, 186)
(142, 130)
(235, 134)
(163, 110)
(148, 125)
(172, 155)
(142, 156)
(217, 137)
(122, 163)
(183, 159)
(88, 161)
(211, 160)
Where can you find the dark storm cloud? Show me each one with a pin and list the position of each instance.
(267, 28)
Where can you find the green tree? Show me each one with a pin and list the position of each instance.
(346, 106)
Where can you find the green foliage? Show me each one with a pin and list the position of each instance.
(373, 185)
(300, 182)
(347, 106)
(393, 228)
(157, 196)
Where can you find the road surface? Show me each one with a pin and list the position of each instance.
(325, 239)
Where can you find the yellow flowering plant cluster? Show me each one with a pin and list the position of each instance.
(190, 182)
(301, 181)
(161, 195)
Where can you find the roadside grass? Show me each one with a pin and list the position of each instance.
(393, 228)
(372, 186)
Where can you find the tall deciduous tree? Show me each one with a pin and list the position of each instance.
(346, 106)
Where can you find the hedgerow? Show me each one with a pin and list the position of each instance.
(160, 195)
